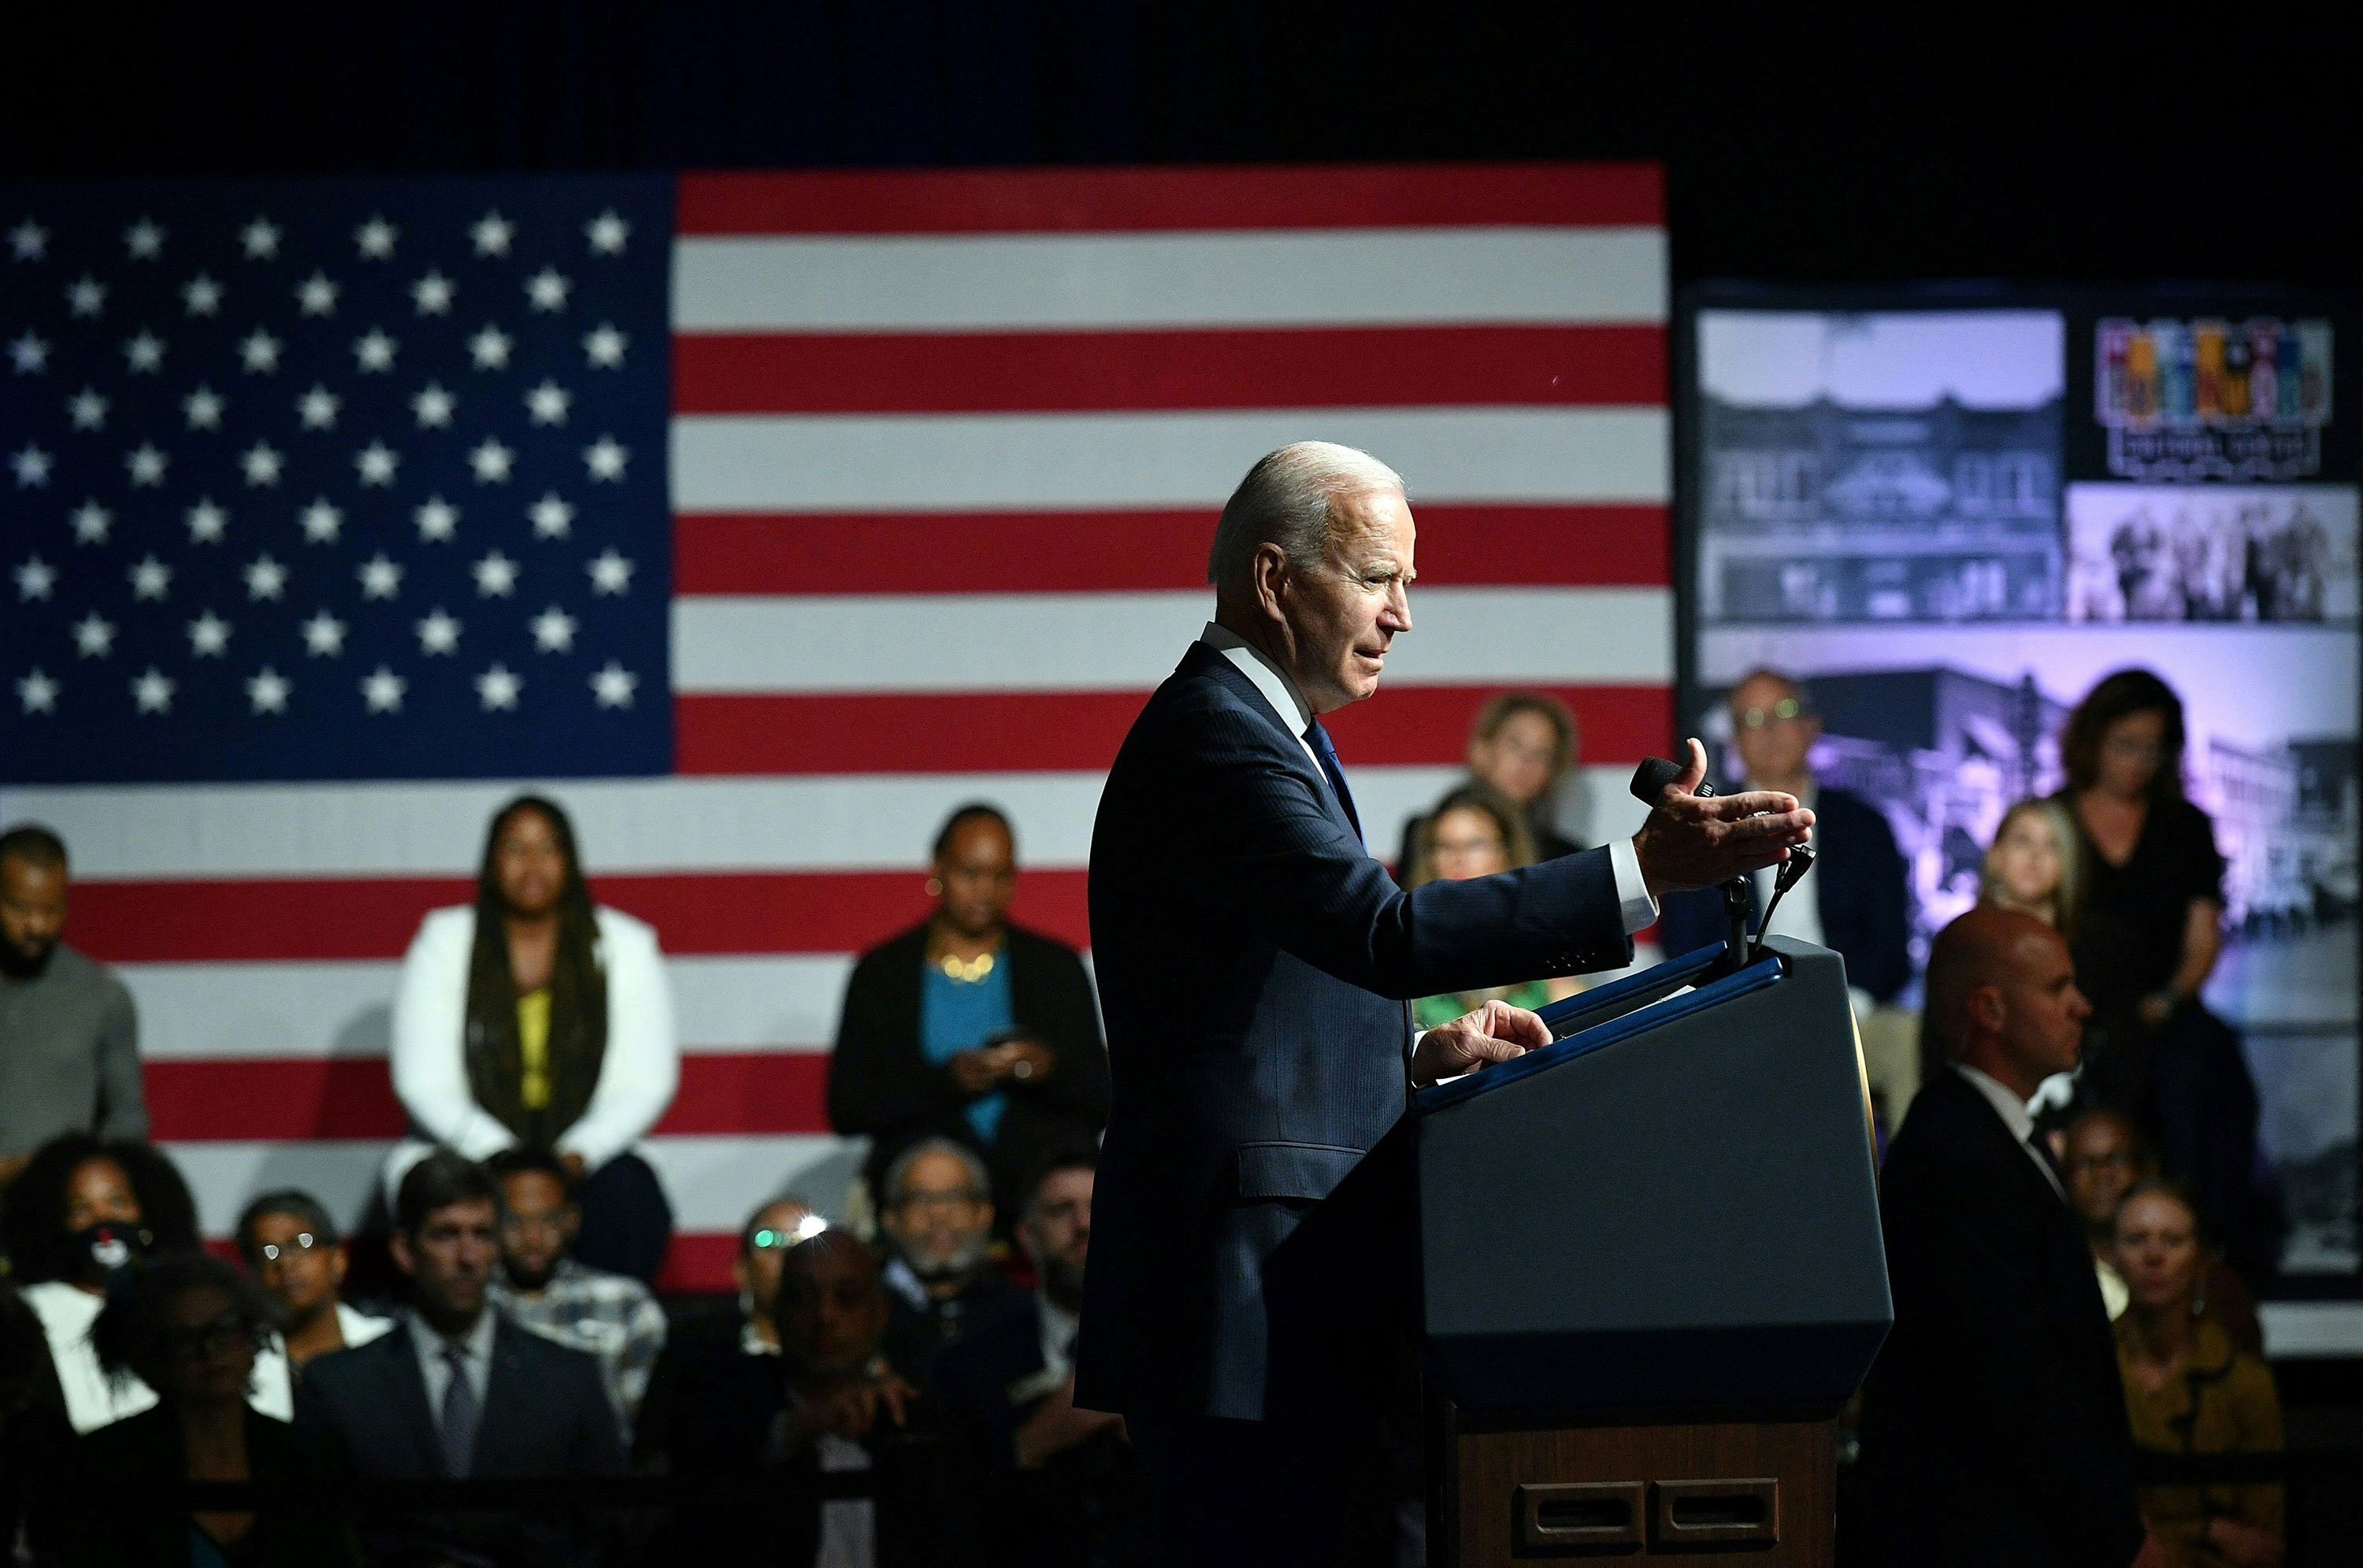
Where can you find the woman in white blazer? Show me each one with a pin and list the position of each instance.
(536, 1017)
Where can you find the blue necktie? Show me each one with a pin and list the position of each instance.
(1318, 739)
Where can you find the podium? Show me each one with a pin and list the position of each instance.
(1648, 1271)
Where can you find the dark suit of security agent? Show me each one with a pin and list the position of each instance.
(1254, 965)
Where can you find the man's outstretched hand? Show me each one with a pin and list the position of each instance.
(1694, 842)
(1495, 1032)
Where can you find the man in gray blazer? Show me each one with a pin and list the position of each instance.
(1254, 965)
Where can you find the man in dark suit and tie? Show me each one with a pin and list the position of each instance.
(1994, 1431)
(459, 1390)
(1254, 964)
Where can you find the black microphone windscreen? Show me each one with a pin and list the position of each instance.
(1649, 779)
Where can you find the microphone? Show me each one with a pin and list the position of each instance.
(1649, 779)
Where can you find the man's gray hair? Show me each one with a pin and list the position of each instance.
(1290, 499)
(900, 1171)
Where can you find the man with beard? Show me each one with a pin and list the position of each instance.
(69, 1037)
(938, 1221)
(1062, 1485)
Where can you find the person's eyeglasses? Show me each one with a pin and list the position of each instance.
(769, 1241)
(2111, 1162)
(2134, 747)
(966, 1197)
(1468, 847)
(1786, 708)
(302, 1241)
(208, 1339)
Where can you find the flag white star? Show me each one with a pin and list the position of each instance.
(608, 233)
(610, 573)
(261, 463)
(376, 463)
(316, 295)
(553, 631)
(258, 350)
(374, 352)
(202, 295)
(144, 353)
(146, 464)
(260, 240)
(207, 523)
(153, 692)
(93, 637)
(269, 691)
(38, 692)
(432, 295)
(547, 289)
(29, 241)
(433, 406)
(548, 403)
(28, 355)
(604, 346)
(490, 348)
(90, 522)
(551, 518)
(319, 408)
(88, 409)
(265, 579)
(606, 458)
(614, 685)
(150, 577)
(375, 239)
(492, 233)
(144, 239)
(438, 633)
(87, 295)
(209, 636)
(438, 520)
(35, 579)
(496, 576)
(381, 579)
(324, 636)
(32, 466)
(383, 690)
(491, 462)
(204, 409)
(497, 688)
(322, 521)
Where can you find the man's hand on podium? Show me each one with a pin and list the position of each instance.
(1495, 1032)
(1694, 841)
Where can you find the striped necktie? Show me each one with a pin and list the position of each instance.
(1318, 739)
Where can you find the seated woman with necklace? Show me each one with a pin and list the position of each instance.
(1474, 831)
(967, 1027)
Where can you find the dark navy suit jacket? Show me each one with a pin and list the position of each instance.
(1858, 884)
(1254, 963)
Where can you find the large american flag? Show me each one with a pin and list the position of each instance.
(761, 519)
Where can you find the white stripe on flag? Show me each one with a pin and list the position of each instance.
(1263, 279)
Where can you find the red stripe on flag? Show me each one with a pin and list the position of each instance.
(1015, 732)
(1295, 196)
(699, 1263)
(922, 372)
(1104, 552)
(288, 919)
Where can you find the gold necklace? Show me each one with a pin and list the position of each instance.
(967, 971)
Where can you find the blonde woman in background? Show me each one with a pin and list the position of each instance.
(2031, 866)
(1474, 831)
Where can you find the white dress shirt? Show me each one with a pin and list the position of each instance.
(2014, 1116)
(1058, 1327)
(93, 1398)
(476, 1358)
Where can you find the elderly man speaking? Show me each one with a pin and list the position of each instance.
(1253, 964)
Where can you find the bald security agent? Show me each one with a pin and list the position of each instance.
(1255, 965)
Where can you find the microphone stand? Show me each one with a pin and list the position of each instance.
(1650, 781)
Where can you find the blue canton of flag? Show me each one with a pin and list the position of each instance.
(334, 480)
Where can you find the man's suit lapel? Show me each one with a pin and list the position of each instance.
(504, 1399)
(2021, 1159)
(1214, 664)
(405, 1393)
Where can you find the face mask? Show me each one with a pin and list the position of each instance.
(109, 1246)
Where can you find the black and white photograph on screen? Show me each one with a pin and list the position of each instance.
(1892, 465)
(2181, 552)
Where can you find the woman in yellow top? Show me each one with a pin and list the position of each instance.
(2189, 1391)
(1473, 832)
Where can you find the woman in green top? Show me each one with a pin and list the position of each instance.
(1474, 831)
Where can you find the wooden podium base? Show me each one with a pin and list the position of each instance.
(1759, 1493)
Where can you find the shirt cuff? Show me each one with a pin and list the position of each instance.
(1640, 910)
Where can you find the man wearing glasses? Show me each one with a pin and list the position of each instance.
(294, 1250)
(938, 1221)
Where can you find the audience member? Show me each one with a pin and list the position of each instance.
(69, 1036)
(739, 1346)
(292, 1246)
(969, 1027)
(188, 1327)
(611, 1317)
(34, 1436)
(80, 1210)
(2105, 1160)
(1856, 900)
(1521, 748)
(2032, 865)
(769, 1231)
(1059, 1487)
(1993, 1428)
(536, 1017)
(1473, 831)
(2147, 931)
(939, 1279)
(2190, 1390)
(459, 1390)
